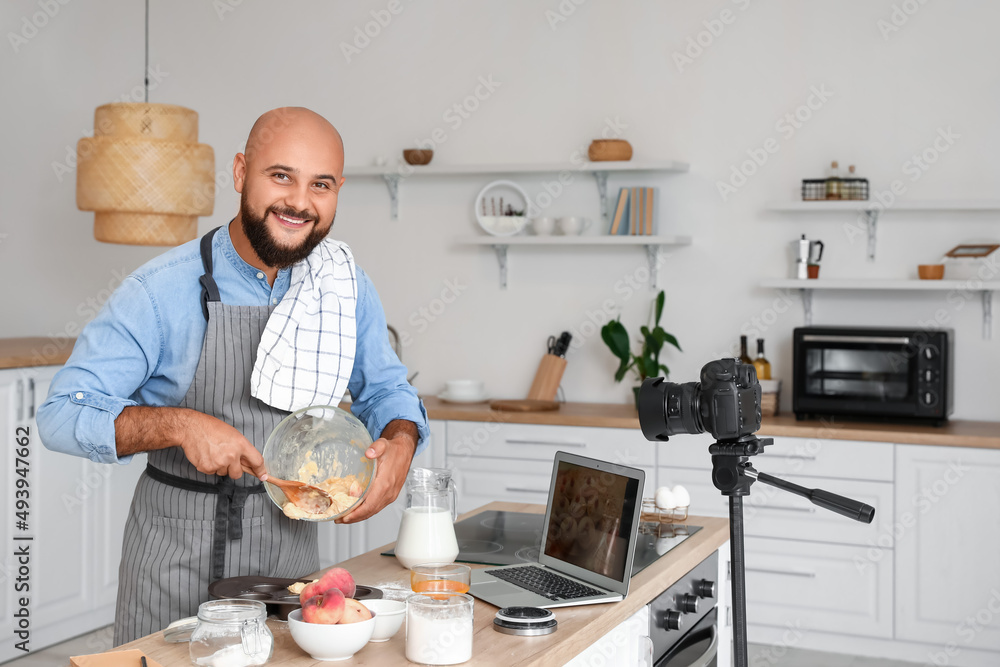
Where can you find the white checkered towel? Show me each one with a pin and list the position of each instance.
(306, 352)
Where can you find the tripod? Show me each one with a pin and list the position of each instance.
(733, 475)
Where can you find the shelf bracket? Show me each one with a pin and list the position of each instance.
(871, 219)
(807, 306)
(652, 252)
(501, 251)
(602, 191)
(392, 182)
(987, 314)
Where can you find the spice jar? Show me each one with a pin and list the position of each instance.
(231, 633)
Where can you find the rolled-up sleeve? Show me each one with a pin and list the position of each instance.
(378, 381)
(114, 355)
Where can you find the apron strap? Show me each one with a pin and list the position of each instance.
(209, 288)
(228, 509)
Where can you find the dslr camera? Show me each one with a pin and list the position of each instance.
(726, 403)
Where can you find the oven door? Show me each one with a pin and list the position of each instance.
(698, 648)
(863, 374)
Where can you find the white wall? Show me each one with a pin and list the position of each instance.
(890, 95)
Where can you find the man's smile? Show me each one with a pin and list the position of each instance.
(290, 222)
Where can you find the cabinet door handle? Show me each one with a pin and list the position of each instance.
(783, 508)
(20, 400)
(790, 573)
(797, 457)
(31, 392)
(557, 443)
(516, 489)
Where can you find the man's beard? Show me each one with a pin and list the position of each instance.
(263, 243)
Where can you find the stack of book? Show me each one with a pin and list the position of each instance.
(636, 212)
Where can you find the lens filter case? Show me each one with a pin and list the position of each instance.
(525, 621)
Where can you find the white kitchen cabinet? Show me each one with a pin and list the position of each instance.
(513, 462)
(818, 587)
(485, 480)
(77, 518)
(948, 546)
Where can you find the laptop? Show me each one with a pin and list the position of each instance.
(590, 531)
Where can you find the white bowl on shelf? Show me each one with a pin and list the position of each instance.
(502, 225)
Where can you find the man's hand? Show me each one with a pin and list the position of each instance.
(394, 453)
(216, 448)
(211, 445)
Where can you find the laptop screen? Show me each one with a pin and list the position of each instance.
(590, 521)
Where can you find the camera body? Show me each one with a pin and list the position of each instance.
(726, 403)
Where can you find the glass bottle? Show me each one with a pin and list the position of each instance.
(850, 190)
(761, 363)
(744, 357)
(833, 181)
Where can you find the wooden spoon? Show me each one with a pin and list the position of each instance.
(310, 498)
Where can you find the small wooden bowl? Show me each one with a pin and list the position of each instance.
(417, 156)
(609, 150)
(930, 271)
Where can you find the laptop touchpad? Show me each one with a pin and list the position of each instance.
(493, 588)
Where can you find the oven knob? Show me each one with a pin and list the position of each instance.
(688, 604)
(705, 588)
(672, 620)
(929, 398)
(928, 375)
(929, 352)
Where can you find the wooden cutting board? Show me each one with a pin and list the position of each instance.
(524, 405)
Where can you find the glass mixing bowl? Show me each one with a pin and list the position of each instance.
(314, 444)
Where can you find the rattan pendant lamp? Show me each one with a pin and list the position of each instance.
(143, 173)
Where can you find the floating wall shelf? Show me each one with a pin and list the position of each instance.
(652, 244)
(600, 170)
(984, 289)
(871, 210)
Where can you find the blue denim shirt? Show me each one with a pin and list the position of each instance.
(145, 344)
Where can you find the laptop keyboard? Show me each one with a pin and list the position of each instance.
(545, 583)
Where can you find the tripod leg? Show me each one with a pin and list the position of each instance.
(738, 571)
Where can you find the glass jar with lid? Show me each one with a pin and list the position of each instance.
(231, 633)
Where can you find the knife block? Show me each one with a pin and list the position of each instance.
(547, 378)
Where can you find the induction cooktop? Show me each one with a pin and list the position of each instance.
(507, 538)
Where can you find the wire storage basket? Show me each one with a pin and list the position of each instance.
(851, 189)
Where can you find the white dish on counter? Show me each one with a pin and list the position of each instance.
(471, 399)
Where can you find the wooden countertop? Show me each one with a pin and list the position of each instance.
(579, 627)
(957, 433)
(38, 351)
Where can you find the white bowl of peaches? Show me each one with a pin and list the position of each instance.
(331, 625)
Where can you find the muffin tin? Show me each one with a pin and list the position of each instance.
(273, 592)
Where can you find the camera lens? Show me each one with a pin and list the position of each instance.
(669, 408)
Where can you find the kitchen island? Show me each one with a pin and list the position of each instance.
(579, 627)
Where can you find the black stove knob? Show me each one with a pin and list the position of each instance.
(688, 603)
(704, 588)
(672, 620)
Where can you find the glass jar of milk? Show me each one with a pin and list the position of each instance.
(427, 529)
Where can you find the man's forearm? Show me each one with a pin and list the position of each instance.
(143, 429)
(399, 427)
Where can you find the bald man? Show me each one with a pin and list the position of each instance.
(165, 369)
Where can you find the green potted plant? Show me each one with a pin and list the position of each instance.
(647, 362)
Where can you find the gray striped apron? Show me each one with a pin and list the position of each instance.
(187, 529)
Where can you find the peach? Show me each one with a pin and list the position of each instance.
(339, 578)
(311, 590)
(354, 612)
(327, 608)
